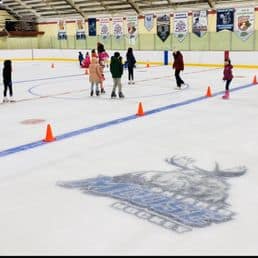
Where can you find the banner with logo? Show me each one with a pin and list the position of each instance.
(163, 26)
(132, 27)
(61, 27)
(104, 26)
(92, 23)
(80, 29)
(244, 22)
(149, 21)
(181, 25)
(118, 24)
(225, 19)
(200, 23)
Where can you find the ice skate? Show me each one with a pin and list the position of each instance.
(5, 100)
(113, 94)
(12, 100)
(121, 95)
(226, 96)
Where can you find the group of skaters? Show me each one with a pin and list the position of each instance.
(98, 60)
(96, 63)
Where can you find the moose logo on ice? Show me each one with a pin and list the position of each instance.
(182, 199)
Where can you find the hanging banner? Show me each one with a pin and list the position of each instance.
(61, 30)
(163, 26)
(200, 23)
(149, 21)
(132, 25)
(80, 29)
(244, 22)
(104, 28)
(181, 25)
(92, 23)
(118, 23)
(225, 19)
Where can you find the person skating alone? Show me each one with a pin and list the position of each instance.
(7, 81)
(116, 69)
(131, 61)
(228, 77)
(178, 65)
(80, 58)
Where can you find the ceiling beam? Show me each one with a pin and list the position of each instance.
(134, 6)
(35, 13)
(75, 7)
(104, 5)
(211, 3)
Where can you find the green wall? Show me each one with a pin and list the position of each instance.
(211, 41)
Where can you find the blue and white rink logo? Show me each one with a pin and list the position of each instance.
(182, 199)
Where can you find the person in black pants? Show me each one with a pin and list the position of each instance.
(178, 65)
(7, 80)
(130, 59)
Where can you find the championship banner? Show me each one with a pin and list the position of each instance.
(163, 26)
(92, 23)
(118, 23)
(225, 19)
(132, 25)
(200, 23)
(61, 27)
(80, 29)
(149, 21)
(244, 22)
(181, 25)
(104, 28)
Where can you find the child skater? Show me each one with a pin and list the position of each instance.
(86, 61)
(95, 76)
(80, 58)
(103, 57)
(116, 68)
(130, 59)
(228, 77)
(7, 80)
(178, 65)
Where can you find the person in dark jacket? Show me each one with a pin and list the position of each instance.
(228, 77)
(81, 58)
(116, 69)
(7, 80)
(178, 65)
(130, 60)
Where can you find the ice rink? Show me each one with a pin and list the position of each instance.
(180, 180)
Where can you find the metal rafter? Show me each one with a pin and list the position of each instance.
(211, 3)
(134, 6)
(28, 8)
(75, 7)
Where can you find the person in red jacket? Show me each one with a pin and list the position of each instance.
(228, 77)
(178, 65)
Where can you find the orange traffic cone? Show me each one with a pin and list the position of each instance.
(52, 66)
(208, 94)
(255, 80)
(140, 110)
(49, 135)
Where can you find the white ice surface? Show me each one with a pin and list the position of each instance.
(39, 217)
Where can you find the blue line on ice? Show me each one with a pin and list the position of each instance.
(114, 122)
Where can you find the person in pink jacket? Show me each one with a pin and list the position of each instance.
(228, 77)
(86, 61)
(95, 76)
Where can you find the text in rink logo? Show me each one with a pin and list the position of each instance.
(184, 198)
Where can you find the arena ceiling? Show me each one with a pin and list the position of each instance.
(43, 9)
